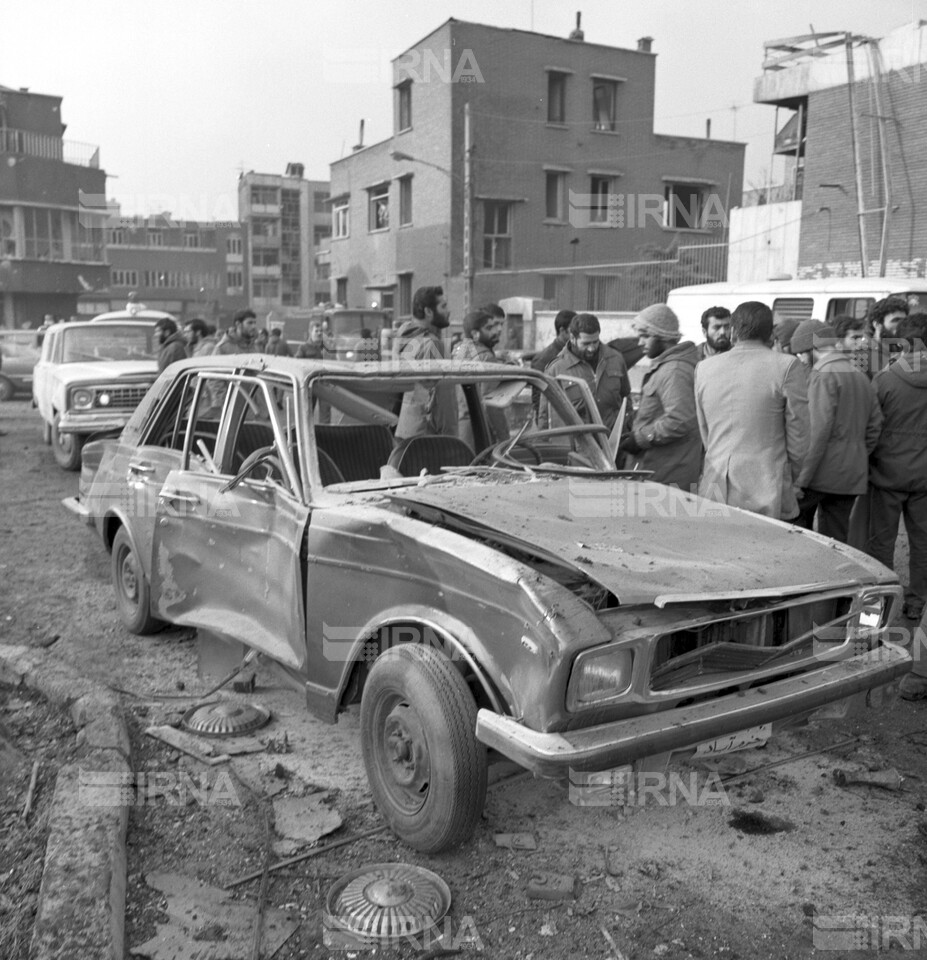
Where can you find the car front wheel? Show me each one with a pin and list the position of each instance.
(66, 447)
(133, 594)
(427, 770)
(6, 389)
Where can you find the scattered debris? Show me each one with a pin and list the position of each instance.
(199, 915)
(186, 743)
(225, 718)
(611, 862)
(629, 908)
(752, 821)
(548, 927)
(515, 841)
(303, 820)
(30, 792)
(889, 779)
(728, 781)
(553, 886)
(616, 953)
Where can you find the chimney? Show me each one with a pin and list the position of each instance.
(644, 44)
(708, 129)
(360, 138)
(577, 34)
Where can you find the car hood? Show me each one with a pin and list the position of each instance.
(648, 543)
(107, 370)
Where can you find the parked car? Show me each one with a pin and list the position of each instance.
(524, 597)
(19, 352)
(89, 378)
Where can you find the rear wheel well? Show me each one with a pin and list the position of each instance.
(405, 632)
(111, 527)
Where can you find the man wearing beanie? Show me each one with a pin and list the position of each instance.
(845, 426)
(752, 406)
(802, 343)
(665, 435)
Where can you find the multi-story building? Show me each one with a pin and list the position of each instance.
(852, 112)
(287, 220)
(522, 164)
(51, 227)
(187, 267)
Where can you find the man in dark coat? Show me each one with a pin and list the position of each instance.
(172, 344)
(665, 434)
(898, 465)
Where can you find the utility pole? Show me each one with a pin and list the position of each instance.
(468, 211)
(860, 204)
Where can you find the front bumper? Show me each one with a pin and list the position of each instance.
(93, 422)
(76, 507)
(621, 742)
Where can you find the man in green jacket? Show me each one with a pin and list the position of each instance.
(665, 436)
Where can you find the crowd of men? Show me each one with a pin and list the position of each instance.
(824, 426)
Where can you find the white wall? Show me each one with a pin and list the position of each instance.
(764, 241)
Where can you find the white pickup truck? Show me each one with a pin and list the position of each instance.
(89, 379)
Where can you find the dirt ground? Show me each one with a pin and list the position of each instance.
(780, 864)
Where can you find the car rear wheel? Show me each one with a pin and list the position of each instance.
(427, 770)
(66, 447)
(6, 389)
(133, 594)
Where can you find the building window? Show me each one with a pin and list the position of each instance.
(44, 234)
(320, 298)
(323, 271)
(124, 278)
(604, 101)
(600, 189)
(266, 288)
(341, 291)
(340, 220)
(405, 200)
(155, 238)
(265, 228)
(553, 287)
(233, 246)
(320, 202)
(117, 237)
(191, 240)
(265, 257)
(264, 196)
(404, 105)
(497, 235)
(405, 294)
(7, 233)
(684, 205)
(234, 279)
(555, 190)
(378, 208)
(601, 293)
(556, 97)
(320, 234)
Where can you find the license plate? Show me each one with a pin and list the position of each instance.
(742, 740)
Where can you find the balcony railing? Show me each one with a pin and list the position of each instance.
(32, 144)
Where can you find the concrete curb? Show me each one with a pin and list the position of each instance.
(81, 908)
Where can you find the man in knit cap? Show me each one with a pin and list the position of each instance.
(802, 343)
(845, 426)
(783, 329)
(752, 406)
(603, 368)
(665, 435)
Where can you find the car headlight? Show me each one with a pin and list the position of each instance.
(869, 618)
(104, 399)
(599, 675)
(349, 355)
(82, 398)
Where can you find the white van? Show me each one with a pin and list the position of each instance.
(801, 299)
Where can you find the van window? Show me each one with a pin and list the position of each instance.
(856, 307)
(792, 308)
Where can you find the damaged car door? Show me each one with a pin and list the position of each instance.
(230, 522)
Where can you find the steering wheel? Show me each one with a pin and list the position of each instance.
(262, 457)
(500, 454)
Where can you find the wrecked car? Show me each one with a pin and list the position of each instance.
(520, 597)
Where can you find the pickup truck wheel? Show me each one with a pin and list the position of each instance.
(133, 595)
(66, 447)
(427, 770)
(6, 389)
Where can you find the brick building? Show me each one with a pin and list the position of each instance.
(189, 268)
(883, 114)
(565, 173)
(51, 238)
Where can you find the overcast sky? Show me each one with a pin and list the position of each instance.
(181, 95)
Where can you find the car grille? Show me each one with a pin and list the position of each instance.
(705, 652)
(121, 398)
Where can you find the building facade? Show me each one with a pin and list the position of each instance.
(522, 165)
(51, 227)
(286, 221)
(186, 267)
(853, 111)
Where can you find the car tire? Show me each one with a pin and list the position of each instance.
(66, 447)
(6, 389)
(133, 593)
(427, 771)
